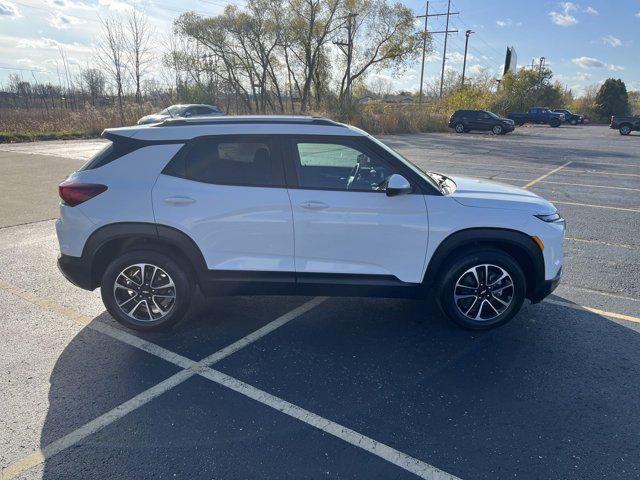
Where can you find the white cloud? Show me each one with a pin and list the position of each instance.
(116, 5)
(591, 11)
(30, 64)
(638, 14)
(8, 9)
(564, 17)
(457, 57)
(508, 23)
(583, 76)
(61, 21)
(590, 62)
(614, 41)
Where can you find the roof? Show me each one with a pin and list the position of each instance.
(187, 128)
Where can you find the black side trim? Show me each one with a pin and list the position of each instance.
(177, 122)
(354, 285)
(134, 232)
(545, 288)
(76, 271)
(496, 237)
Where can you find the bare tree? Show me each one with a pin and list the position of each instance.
(111, 56)
(139, 53)
(95, 81)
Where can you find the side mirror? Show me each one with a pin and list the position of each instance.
(397, 185)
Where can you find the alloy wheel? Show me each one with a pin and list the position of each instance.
(483, 292)
(144, 292)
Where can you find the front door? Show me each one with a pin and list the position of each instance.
(345, 224)
(228, 195)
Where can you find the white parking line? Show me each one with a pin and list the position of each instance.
(570, 184)
(398, 458)
(189, 366)
(591, 205)
(202, 368)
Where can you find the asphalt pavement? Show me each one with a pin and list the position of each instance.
(301, 387)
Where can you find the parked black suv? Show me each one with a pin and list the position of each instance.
(569, 117)
(466, 120)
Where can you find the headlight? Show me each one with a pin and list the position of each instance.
(554, 217)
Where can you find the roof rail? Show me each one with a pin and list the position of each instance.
(282, 119)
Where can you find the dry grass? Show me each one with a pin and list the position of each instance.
(19, 124)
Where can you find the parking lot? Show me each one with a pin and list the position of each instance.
(291, 387)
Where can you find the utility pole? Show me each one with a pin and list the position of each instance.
(446, 31)
(424, 49)
(542, 59)
(466, 44)
(444, 54)
(349, 53)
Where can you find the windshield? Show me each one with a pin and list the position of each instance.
(491, 114)
(426, 175)
(173, 110)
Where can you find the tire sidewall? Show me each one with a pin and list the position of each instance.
(183, 287)
(625, 130)
(497, 130)
(463, 263)
(459, 128)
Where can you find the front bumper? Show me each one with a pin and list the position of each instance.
(76, 270)
(546, 288)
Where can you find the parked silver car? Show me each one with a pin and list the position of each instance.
(182, 111)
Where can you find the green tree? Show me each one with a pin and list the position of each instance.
(612, 98)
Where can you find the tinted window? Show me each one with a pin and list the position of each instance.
(200, 110)
(118, 147)
(339, 166)
(233, 162)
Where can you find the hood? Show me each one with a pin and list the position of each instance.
(155, 118)
(476, 192)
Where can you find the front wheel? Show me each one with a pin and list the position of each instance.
(482, 290)
(146, 290)
(459, 128)
(625, 129)
(497, 130)
(574, 122)
(554, 123)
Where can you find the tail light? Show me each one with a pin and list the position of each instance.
(613, 117)
(75, 193)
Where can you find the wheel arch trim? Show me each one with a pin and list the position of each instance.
(132, 231)
(499, 237)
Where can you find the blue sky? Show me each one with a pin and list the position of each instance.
(584, 42)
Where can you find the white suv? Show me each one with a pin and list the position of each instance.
(295, 205)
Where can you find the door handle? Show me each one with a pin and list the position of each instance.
(313, 205)
(179, 200)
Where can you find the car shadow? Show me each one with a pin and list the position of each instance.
(553, 394)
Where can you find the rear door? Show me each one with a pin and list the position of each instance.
(344, 222)
(485, 121)
(228, 195)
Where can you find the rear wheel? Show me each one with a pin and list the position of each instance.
(625, 129)
(574, 121)
(482, 289)
(459, 127)
(497, 130)
(554, 122)
(146, 290)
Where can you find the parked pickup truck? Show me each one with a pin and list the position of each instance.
(625, 125)
(537, 115)
(571, 118)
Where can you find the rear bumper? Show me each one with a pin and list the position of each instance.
(76, 270)
(546, 288)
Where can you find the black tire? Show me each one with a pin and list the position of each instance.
(176, 309)
(459, 127)
(497, 130)
(625, 129)
(449, 278)
(554, 122)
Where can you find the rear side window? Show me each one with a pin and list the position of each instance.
(224, 161)
(116, 148)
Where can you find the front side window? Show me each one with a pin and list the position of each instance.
(339, 166)
(230, 162)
